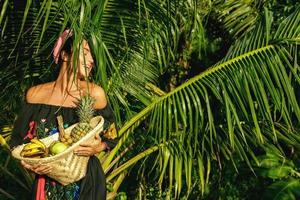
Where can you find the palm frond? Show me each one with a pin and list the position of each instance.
(239, 17)
(234, 106)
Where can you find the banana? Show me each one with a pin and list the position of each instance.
(32, 146)
(33, 149)
(36, 141)
(32, 152)
(33, 156)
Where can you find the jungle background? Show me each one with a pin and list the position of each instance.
(206, 93)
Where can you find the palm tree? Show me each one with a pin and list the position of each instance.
(245, 101)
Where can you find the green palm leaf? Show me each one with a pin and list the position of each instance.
(239, 103)
(234, 12)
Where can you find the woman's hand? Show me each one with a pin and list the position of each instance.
(37, 168)
(91, 148)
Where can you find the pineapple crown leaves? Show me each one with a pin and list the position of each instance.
(85, 110)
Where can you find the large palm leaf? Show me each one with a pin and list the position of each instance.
(247, 99)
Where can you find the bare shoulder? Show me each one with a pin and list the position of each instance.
(99, 94)
(36, 93)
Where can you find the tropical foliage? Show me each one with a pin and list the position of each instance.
(181, 123)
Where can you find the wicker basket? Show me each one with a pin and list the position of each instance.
(66, 166)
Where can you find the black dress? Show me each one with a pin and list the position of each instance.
(92, 186)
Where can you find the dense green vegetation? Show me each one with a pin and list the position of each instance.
(206, 93)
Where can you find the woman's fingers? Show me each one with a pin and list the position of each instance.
(27, 165)
(37, 168)
(84, 151)
(85, 144)
(90, 148)
(43, 169)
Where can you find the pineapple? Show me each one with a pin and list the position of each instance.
(85, 113)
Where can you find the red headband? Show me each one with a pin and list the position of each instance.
(59, 43)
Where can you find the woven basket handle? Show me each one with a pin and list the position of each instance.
(61, 129)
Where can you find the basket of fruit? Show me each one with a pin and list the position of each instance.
(57, 150)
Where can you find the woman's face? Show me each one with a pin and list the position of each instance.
(85, 61)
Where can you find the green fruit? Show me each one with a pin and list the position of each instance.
(57, 147)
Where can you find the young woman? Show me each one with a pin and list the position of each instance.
(46, 101)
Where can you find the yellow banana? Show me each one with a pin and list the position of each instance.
(36, 141)
(32, 146)
(35, 148)
(32, 152)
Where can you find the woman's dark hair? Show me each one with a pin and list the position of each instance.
(67, 47)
